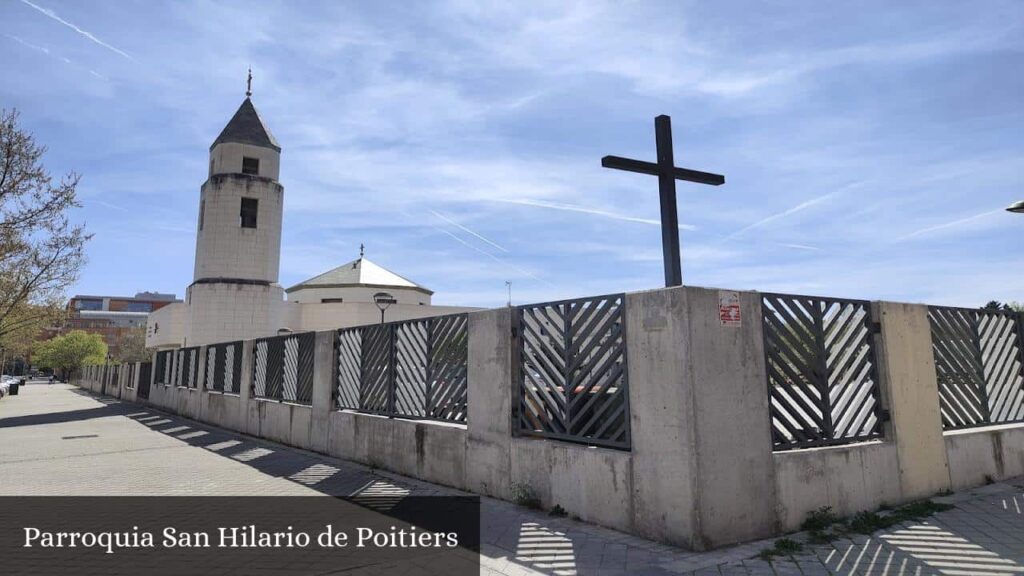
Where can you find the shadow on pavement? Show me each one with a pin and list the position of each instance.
(59, 417)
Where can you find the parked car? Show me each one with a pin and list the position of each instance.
(5, 384)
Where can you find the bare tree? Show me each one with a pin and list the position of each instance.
(132, 346)
(41, 251)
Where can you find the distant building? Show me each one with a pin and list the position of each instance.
(111, 316)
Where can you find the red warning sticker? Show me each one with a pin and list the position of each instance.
(729, 308)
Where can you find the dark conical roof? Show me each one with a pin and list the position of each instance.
(246, 127)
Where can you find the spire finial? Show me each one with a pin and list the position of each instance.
(362, 250)
(248, 85)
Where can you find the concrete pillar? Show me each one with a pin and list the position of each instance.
(725, 369)
(245, 388)
(199, 404)
(703, 474)
(136, 381)
(660, 407)
(489, 418)
(323, 387)
(907, 373)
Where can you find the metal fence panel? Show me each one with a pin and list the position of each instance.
(223, 366)
(187, 367)
(145, 374)
(411, 346)
(572, 371)
(375, 382)
(409, 369)
(163, 366)
(283, 367)
(448, 385)
(978, 363)
(822, 371)
(349, 354)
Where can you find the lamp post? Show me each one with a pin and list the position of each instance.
(1017, 207)
(383, 300)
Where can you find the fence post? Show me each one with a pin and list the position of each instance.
(489, 431)
(909, 381)
(323, 390)
(245, 390)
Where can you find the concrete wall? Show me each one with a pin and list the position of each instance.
(984, 455)
(166, 327)
(701, 472)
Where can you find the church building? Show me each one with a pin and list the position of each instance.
(235, 294)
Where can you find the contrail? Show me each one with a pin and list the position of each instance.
(467, 230)
(948, 224)
(53, 15)
(29, 45)
(493, 257)
(585, 210)
(783, 214)
(799, 246)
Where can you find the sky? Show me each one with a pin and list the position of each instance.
(869, 148)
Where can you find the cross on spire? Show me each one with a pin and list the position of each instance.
(362, 250)
(667, 175)
(248, 85)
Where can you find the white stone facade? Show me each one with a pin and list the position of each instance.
(224, 312)
(225, 249)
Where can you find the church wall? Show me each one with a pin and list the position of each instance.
(166, 327)
(345, 315)
(227, 159)
(226, 250)
(227, 312)
(358, 294)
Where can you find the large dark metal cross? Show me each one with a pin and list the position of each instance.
(667, 175)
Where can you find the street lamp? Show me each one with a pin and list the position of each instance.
(383, 300)
(1017, 207)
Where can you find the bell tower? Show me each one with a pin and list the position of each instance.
(234, 294)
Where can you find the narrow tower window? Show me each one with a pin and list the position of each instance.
(202, 212)
(250, 165)
(248, 214)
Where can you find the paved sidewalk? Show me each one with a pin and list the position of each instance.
(59, 440)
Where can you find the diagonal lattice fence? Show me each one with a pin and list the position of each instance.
(162, 368)
(571, 372)
(822, 371)
(224, 367)
(185, 371)
(283, 367)
(409, 369)
(145, 373)
(978, 363)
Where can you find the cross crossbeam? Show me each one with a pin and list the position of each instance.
(667, 174)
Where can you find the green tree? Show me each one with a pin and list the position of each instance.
(69, 352)
(998, 306)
